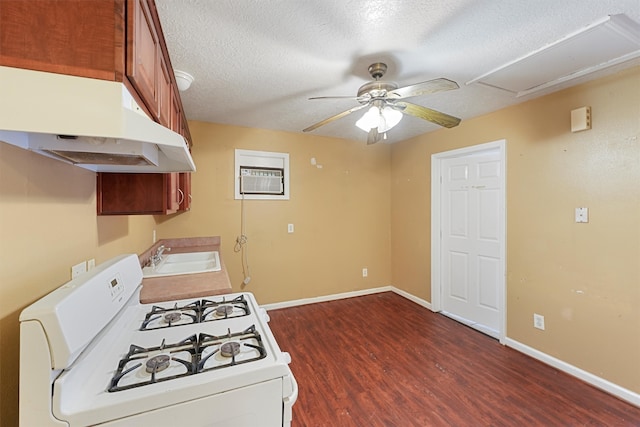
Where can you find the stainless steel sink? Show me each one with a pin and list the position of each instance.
(185, 263)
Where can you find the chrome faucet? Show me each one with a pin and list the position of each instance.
(157, 257)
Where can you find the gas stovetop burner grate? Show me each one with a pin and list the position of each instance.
(198, 353)
(196, 312)
(230, 349)
(162, 317)
(143, 366)
(218, 310)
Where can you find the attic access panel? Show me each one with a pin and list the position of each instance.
(607, 42)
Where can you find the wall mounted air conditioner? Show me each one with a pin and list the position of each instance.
(261, 175)
(257, 180)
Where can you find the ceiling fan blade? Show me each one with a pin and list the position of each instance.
(430, 86)
(332, 118)
(363, 98)
(428, 114)
(334, 97)
(373, 136)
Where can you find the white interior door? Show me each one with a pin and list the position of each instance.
(471, 234)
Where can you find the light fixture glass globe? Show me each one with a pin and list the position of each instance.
(369, 120)
(381, 118)
(390, 118)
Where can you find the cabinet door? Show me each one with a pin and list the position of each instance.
(131, 193)
(176, 112)
(75, 37)
(185, 188)
(173, 192)
(165, 102)
(178, 120)
(143, 52)
(138, 193)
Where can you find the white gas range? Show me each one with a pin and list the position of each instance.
(91, 354)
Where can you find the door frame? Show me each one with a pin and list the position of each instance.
(436, 221)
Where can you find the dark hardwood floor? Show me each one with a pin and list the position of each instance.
(382, 360)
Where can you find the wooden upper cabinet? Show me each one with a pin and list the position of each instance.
(143, 193)
(75, 37)
(116, 40)
(138, 193)
(143, 54)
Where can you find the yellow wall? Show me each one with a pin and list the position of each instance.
(365, 204)
(47, 224)
(340, 213)
(584, 278)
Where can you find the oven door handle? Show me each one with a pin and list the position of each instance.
(288, 401)
(291, 399)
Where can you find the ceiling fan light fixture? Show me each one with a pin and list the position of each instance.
(381, 118)
(386, 105)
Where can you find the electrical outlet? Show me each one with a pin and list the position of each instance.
(91, 264)
(154, 237)
(365, 272)
(78, 269)
(538, 321)
(582, 214)
(290, 228)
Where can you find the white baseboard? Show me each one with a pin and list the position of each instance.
(407, 295)
(478, 326)
(594, 380)
(325, 298)
(344, 295)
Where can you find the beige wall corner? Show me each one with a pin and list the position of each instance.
(582, 277)
(339, 207)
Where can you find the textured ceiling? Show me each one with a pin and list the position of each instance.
(256, 63)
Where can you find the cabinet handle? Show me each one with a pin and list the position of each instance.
(181, 199)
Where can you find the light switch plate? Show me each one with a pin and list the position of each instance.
(582, 214)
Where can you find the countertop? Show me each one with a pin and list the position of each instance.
(185, 286)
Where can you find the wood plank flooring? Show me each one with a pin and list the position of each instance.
(382, 360)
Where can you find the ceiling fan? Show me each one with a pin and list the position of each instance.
(386, 104)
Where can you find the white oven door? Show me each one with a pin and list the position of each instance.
(256, 405)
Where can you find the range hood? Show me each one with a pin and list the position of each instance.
(91, 123)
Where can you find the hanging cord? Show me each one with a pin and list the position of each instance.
(241, 242)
